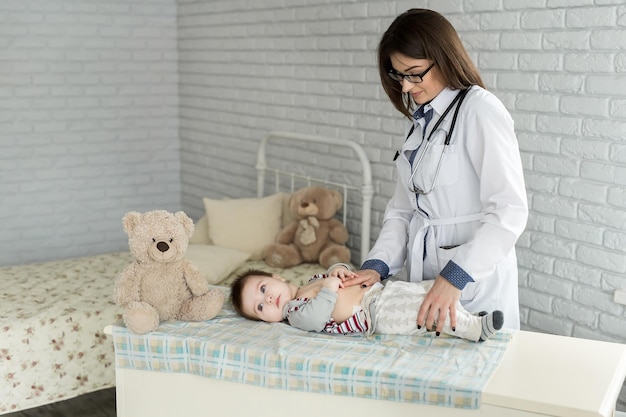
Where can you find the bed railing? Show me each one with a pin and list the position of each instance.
(366, 189)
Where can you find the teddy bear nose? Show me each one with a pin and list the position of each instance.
(163, 247)
(304, 205)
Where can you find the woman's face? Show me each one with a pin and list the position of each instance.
(431, 84)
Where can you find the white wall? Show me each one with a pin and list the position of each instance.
(559, 66)
(88, 123)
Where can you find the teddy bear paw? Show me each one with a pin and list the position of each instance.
(203, 307)
(141, 317)
(334, 255)
(281, 256)
(275, 260)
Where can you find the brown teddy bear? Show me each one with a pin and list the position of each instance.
(315, 235)
(162, 285)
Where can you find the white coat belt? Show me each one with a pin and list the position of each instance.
(423, 236)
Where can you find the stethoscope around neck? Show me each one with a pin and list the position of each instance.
(412, 187)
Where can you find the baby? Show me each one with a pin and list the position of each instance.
(325, 305)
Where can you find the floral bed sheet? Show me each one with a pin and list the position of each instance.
(52, 316)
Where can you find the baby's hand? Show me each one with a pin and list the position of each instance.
(332, 283)
(342, 272)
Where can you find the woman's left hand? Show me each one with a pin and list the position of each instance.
(440, 300)
(364, 278)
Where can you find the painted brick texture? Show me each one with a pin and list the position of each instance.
(559, 67)
(89, 123)
(113, 106)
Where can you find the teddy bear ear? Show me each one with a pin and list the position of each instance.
(130, 221)
(186, 222)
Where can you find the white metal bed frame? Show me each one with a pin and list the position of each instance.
(366, 189)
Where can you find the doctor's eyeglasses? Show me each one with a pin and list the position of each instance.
(412, 78)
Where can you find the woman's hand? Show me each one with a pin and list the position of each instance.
(342, 272)
(440, 300)
(364, 278)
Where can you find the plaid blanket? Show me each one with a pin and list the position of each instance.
(443, 371)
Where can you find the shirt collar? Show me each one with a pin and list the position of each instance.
(439, 104)
(443, 100)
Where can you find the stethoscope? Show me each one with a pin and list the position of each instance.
(412, 187)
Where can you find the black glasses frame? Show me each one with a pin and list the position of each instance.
(412, 78)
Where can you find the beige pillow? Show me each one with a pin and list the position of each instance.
(288, 217)
(215, 263)
(200, 233)
(245, 224)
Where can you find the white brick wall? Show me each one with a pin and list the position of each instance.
(88, 123)
(89, 127)
(558, 65)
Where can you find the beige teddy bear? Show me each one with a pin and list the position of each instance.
(315, 236)
(161, 285)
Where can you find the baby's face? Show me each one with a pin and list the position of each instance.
(265, 297)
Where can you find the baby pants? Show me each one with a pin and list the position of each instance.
(397, 305)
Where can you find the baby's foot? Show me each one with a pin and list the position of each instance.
(491, 323)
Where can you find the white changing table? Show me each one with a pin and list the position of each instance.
(540, 375)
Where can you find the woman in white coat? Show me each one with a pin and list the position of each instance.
(459, 203)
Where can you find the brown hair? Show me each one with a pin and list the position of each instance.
(236, 290)
(425, 34)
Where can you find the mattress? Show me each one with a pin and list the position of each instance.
(441, 371)
(52, 344)
(298, 275)
(52, 316)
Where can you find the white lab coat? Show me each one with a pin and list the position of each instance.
(478, 206)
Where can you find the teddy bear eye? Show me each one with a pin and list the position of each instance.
(153, 240)
(171, 240)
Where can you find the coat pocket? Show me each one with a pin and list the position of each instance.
(445, 254)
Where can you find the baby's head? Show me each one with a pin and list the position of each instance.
(260, 295)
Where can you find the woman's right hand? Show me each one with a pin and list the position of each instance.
(364, 278)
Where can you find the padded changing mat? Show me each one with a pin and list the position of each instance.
(441, 371)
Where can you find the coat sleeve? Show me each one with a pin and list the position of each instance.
(391, 244)
(315, 313)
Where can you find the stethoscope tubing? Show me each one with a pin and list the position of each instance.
(459, 98)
